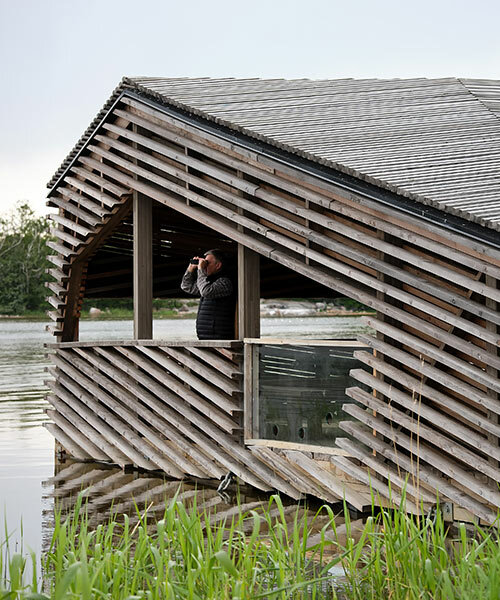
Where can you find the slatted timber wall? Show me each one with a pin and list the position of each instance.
(168, 407)
(435, 408)
(89, 209)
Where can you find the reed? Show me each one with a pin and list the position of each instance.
(251, 555)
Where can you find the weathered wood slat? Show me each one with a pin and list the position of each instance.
(58, 274)
(395, 498)
(101, 182)
(423, 431)
(223, 176)
(420, 366)
(164, 418)
(54, 330)
(177, 189)
(70, 208)
(116, 431)
(143, 419)
(408, 235)
(227, 385)
(418, 490)
(58, 290)
(424, 473)
(181, 207)
(128, 424)
(68, 238)
(209, 392)
(89, 424)
(58, 261)
(171, 384)
(64, 439)
(55, 315)
(60, 249)
(87, 203)
(325, 479)
(229, 369)
(436, 459)
(432, 352)
(70, 224)
(419, 389)
(302, 483)
(56, 302)
(79, 266)
(93, 192)
(233, 346)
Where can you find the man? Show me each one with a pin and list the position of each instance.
(206, 277)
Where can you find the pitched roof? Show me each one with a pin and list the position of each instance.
(436, 141)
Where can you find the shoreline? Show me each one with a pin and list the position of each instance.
(283, 315)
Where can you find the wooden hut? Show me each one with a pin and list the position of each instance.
(385, 191)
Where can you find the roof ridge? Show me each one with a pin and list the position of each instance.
(466, 81)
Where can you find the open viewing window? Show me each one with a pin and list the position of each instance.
(295, 389)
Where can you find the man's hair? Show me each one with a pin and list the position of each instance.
(217, 254)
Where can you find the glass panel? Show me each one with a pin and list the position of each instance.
(301, 392)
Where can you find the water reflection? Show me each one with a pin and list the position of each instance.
(112, 492)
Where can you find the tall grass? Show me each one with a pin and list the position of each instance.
(189, 554)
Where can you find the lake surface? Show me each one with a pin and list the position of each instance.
(27, 467)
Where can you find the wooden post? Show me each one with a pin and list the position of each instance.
(248, 293)
(143, 267)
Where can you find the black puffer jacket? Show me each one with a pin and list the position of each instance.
(216, 316)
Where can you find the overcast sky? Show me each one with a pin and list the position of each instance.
(61, 59)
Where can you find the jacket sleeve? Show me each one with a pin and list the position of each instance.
(188, 283)
(216, 289)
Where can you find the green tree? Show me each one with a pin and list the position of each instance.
(23, 252)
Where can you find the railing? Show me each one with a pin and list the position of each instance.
(154, 405)
(178, 408)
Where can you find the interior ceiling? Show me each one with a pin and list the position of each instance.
(176, 239)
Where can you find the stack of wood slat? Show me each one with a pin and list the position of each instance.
(89, 210)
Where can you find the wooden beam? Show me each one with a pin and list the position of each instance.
(143, 267)
(248, 293)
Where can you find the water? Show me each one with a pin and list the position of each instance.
(27, 450)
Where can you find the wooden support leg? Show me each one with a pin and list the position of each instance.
(248, 293)
(143, 267)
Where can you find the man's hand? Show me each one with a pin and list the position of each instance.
(202, 264)
(191, 266)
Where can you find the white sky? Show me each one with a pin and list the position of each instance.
(61, 59)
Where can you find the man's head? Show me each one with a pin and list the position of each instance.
(215, 260)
